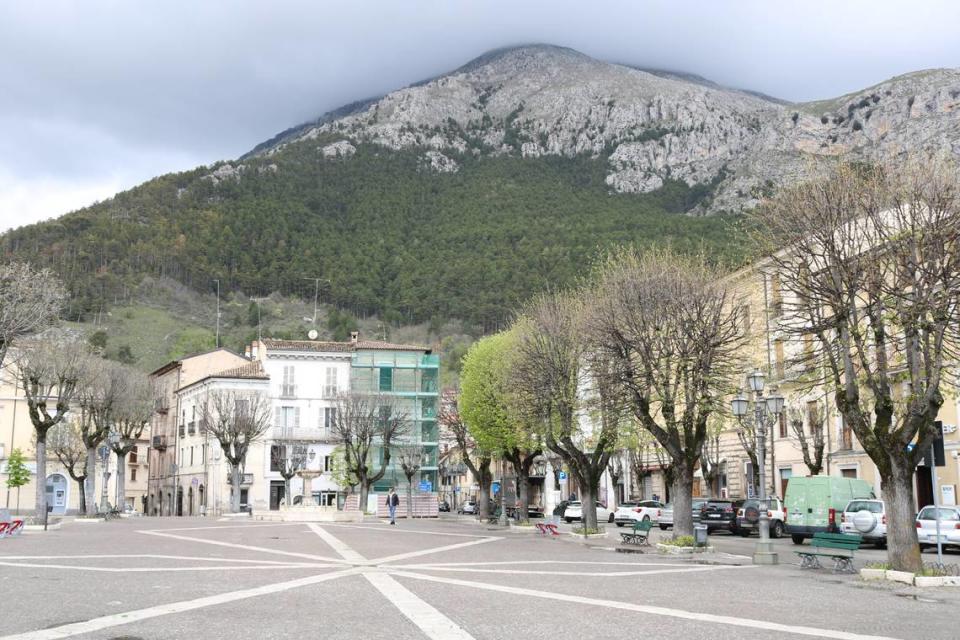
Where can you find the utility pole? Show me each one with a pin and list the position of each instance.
(218, 312)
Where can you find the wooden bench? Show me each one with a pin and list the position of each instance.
(8, 525)
(839, 547)
(547, 528)
(639, 534)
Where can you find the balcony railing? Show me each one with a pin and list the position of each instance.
(330, 391)
(192, 428)
(183, 430)
(159, 443)
(288, 391)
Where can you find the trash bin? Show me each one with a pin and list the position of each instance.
(700, 535)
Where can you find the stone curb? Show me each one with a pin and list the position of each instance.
(905, 577)
(673, 550)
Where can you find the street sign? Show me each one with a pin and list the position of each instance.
(495, 487)
(563, 476)
(426, 485)
(456, 489)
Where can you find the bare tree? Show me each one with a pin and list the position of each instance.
(710, 457)
(65, 441)
(30, 301)
(410, 458)
(477, 461)
(131, 414)
(289, 458)
(811, 446)
(99, 393)
(869, 265)
(615, 469)
(672, 332)
(552, 361)
(236, 419)
(363, 422)
(49, 371)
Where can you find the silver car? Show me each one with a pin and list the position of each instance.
(666, 514)
(866, 518)
(949, 527)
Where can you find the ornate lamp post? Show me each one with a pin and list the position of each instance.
(104, 452)
(765, 413)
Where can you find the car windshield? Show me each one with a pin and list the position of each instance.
(945, 514)
(865, 505)
(575, 504)
(625, 505)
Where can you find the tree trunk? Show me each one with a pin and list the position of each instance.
(364, 492)
(682, 501)
(588, 497)
(410, 498)
(82, 495)
(287, 498)
(483, 498)
(903, 552)
(523, 489)
(235, 484)
(41, 483)
(121, 481)
(90, 481)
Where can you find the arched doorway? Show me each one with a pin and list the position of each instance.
(57, 496)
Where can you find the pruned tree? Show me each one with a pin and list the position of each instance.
(551, 366)
(640, 457)
(130, 416)
(488, 407)
(67, 445)
(49, 372)
(812, 445)
(868, 259)
(671, 331)
(410, 459)
(30, 301)
(474, 458)
(615, 469)
(289, 457)
(747, 435)
(711, 456)
(99, 393)
(235, 419)
(364, 422)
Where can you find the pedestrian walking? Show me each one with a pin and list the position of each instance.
(393, 501)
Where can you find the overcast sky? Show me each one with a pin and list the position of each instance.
(98, 96)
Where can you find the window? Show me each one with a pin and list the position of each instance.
(849, 473)
(386, 379)
(276, 455)
(776, 296)
(782, 420)
(326, 463)
(133, 474)
(330, 383)
(133, 456)
(288, 417)
(191, 456)
(778, 357)
(928, 513)
(329, 419)
(288, 389)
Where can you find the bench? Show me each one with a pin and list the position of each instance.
(639, 534)
(839, 547)
(547, 528)
(8, 525)
(494, 517)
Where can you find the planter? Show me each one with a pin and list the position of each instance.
(590, 536)
(873, 574)
(900, 576)
(929, 581)
(673, 550)
(951, 581)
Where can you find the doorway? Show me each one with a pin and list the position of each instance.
(57, 493)
(277, 494)
(924, 487)
(179, 501)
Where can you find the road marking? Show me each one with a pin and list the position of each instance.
(246, 547)
(37, 565)
(425, 552)
(160, 557)
(127, 617)
(434, 624)
(604, 574)
(551, 562)
(342, 548)
(653, 610)
(228, 526)
(402, 530)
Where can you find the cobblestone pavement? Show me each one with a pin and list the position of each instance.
(447, 579)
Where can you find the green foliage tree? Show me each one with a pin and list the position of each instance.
(18, 474)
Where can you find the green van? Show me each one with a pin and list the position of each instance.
(814, 504)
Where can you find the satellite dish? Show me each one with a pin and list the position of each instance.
(312, 334)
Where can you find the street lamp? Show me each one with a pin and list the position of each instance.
(765, 412)
(104, 452)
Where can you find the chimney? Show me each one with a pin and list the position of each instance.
(253, 350)
(246, 352)
(354, 336)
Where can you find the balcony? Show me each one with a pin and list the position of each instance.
(192, 428)
(288, 391)
(159, 443)
(182, 430)
(246, 479)
(329, 392)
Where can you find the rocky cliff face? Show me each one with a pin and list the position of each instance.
(542, 100)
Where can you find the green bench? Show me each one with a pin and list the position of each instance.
(839, 547)
(639, 534)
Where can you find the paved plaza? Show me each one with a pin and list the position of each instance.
(448, 579)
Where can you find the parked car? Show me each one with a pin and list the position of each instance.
(630, 512)
(949, 527)
(748, 517)
(666, 514)
(866, 518)
(814, 503)
(574, 511)
(468, 508)
(720, 513)
(443, 506)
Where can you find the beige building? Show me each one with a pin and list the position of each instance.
(165, 429)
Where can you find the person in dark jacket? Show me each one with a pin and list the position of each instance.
(393, 501)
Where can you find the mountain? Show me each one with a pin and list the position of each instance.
(460, 196)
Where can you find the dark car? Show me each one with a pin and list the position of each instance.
(720, 514)
(443, 506)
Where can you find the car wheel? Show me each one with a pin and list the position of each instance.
(881, 543)
(619, 524)
(797, 539)
(744, 533)
(777, 530)
(569, 520)
(663, 527)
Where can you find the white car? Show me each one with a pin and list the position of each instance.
(631, 512)
(574, 511)
(949, 527)
(866, 518)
